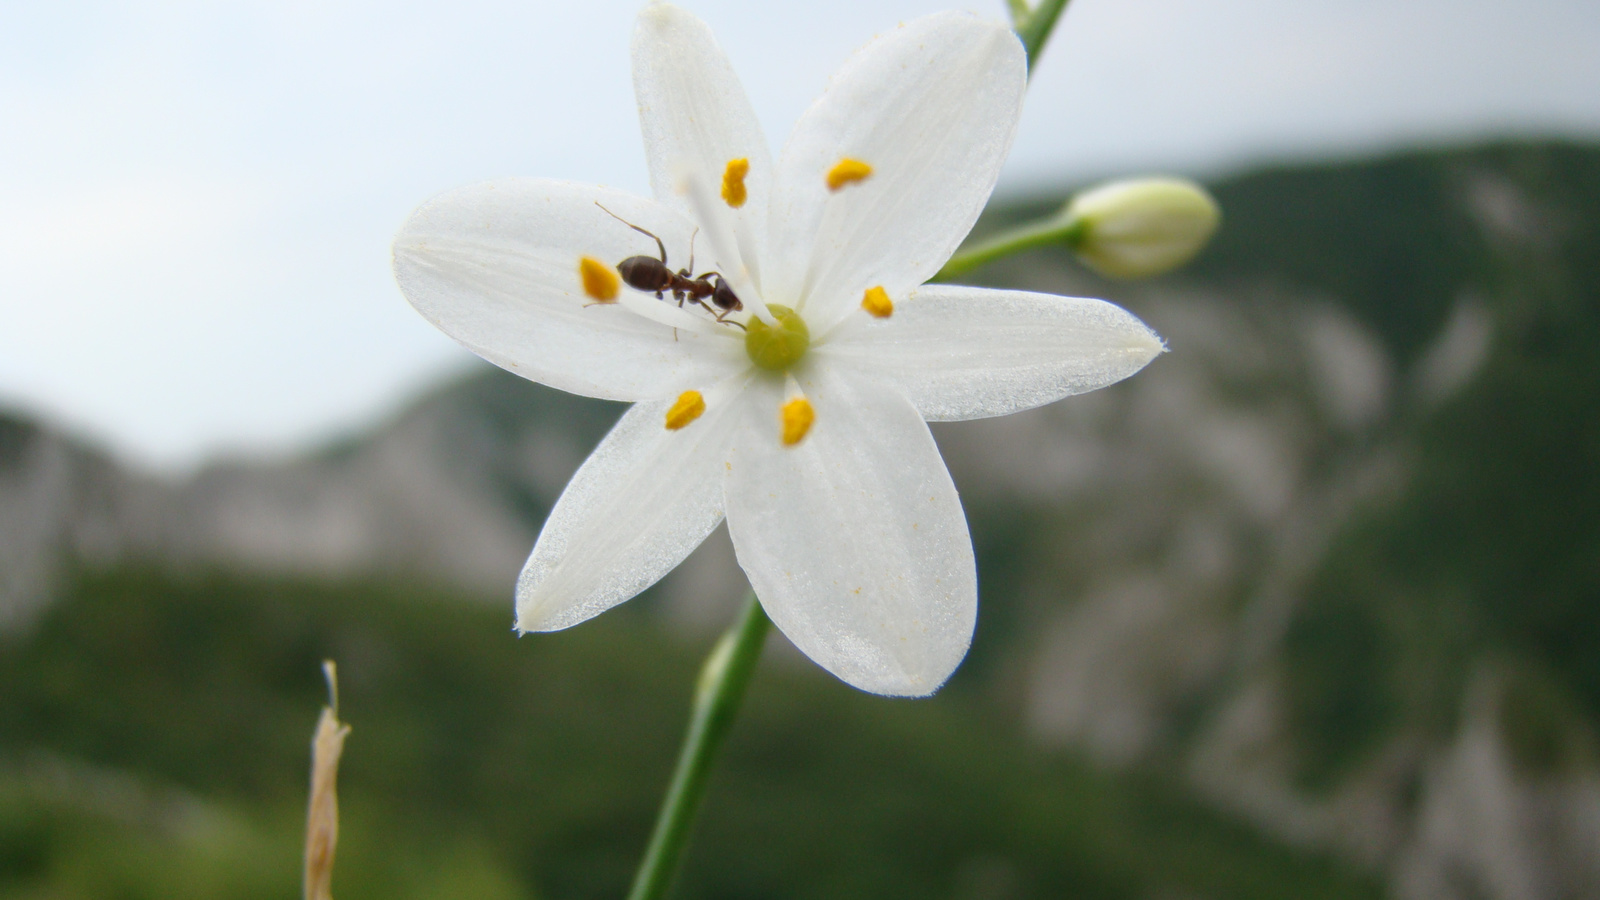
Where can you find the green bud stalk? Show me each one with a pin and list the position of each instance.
(1124, 229)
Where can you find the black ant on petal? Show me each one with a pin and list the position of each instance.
(649, 274)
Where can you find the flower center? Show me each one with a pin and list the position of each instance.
(777, 349)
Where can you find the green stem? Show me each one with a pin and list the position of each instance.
(723, 679)
(1054, 230)
(1035, 29)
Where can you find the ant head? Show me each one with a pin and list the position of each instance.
(724, 297)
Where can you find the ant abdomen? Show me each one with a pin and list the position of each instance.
(645, 273)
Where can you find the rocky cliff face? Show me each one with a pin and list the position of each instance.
(1322, 560)
(448, 491)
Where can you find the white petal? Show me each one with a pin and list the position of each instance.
(854, 538)
(696, 118)
(685, 318)
(966, 353)
(495, 266)
(932, 107)
(641, 503)
(717, 225)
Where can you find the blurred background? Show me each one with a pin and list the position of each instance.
(1309, 608)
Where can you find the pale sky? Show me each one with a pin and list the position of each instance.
(197, 198)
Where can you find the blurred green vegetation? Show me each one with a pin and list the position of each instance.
(155, 730)
(1489, 559)
(1491, 555)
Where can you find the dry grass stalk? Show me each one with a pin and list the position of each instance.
(322, 822)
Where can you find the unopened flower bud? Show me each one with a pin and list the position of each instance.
(1142, 227)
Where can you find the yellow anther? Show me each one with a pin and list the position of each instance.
(876, 301)
(797, 418)
(600, 281)
(690, 406)
(733, 182)
(847, 171)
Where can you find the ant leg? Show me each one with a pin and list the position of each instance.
(722, 315)
(660, 246)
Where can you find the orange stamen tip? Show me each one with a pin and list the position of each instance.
(733, 191)
(689, 406)
(847, 171)
(876, 301)
(600, 282)
(797, 418)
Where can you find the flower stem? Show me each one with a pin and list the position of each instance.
(1056, 229)
(1035, 27)
(723, 679)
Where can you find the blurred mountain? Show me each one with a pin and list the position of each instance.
(453, 490)
(1333, 561)
(1337, 557)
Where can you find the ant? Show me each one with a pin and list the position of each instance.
(646, 273)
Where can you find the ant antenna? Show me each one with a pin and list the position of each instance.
(662, 247)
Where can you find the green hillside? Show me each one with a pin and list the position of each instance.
(485, 766)
(1493, 553)
(1490, 556)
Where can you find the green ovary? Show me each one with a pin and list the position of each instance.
(777, 349)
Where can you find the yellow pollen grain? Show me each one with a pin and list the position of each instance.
(690, 406)
(876, 301)
(733, 182)
(599, 281)
(847, 171)
(797, 418)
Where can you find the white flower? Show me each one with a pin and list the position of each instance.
(841, 511)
